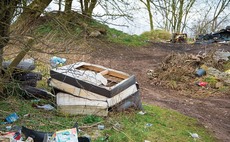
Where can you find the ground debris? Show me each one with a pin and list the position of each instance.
(178, 72)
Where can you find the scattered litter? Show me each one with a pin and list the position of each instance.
(8, 128)
(12, 118)
(194, 135)
(57, 61)
(147, 141)
(101, 127)
(69, 135)
(149, 125)
(203, 84)
(200, 72)
(10, 136)
(26, 115)
(142, 113)
(46, 107)
(29, 139)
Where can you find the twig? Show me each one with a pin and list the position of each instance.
(56, 123)
(89, 126)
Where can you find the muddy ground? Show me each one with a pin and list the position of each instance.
(212, 112)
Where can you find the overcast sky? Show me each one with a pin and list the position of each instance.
(140, 21)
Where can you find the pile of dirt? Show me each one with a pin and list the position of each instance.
(179, 72)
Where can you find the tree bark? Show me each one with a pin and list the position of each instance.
(6, 15)
(87, 7)
(68, 5)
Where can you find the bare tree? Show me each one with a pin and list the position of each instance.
(174, 13)
(212, 16)
(219, 8)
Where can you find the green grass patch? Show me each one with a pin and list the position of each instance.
(211, 81)
(126, 39)
(157, 124)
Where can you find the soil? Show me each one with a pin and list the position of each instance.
(213, 112)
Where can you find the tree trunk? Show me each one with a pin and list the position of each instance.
(68, 5)
(150, 14)
(148, 7)
(6, 15)
(180, 16)
(87, 7)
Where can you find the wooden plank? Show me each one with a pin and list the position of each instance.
(104, 72)
(91, 67)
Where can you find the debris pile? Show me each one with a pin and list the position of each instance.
(179, 38)
(191, 74)
(222, 36)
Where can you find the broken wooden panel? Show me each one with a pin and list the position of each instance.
(68, 104)
(87, 76)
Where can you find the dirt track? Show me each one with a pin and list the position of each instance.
(212, 112)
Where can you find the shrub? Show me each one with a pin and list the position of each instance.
(157, 35)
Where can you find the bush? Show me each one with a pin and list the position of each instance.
(157, 35)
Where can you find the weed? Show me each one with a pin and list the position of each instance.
(126, 39)
(91, 119)
(211, 81)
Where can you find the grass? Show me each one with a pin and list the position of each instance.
(157, 124)
(157, 35)
(56, 29)
(126, 39)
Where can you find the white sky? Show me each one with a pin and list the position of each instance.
(140, 21)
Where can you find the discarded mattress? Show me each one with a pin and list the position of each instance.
(92, 84)
(85, 76)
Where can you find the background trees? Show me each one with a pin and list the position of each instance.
(212, 16)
